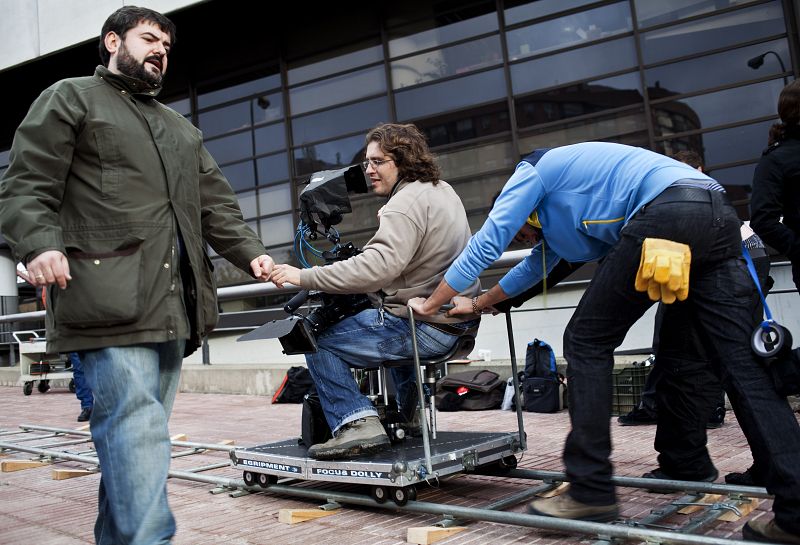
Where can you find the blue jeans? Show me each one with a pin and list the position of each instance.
(365, 340)
(82, 390)
(134, 388)
(721, 296)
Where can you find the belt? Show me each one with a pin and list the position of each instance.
(682, 194)
(451, 329)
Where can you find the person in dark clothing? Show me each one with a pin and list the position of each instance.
(683, 394)
(776, 183)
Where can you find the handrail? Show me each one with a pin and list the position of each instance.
(255, 289)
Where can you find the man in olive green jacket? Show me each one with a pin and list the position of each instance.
(108, 199)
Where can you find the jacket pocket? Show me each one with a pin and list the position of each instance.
(108, 152)
(208, 296)
(606, 230)
(105, 290)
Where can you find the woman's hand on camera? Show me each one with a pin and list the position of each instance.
(283, 274)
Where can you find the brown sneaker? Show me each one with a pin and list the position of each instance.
(565, 507)
(767, 531)
(362, 436)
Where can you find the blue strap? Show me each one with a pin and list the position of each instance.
(750, 267)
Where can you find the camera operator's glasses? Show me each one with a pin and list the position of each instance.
(375, 163)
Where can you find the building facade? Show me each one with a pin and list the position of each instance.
(282, 92)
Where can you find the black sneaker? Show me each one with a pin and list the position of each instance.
(658, 473)
(717, 418)
(637, 417)
(85, 415)
(746, 478)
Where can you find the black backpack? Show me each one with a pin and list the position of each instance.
(296, 384)
(541, 384)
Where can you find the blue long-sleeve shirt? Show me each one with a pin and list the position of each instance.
(583, 194)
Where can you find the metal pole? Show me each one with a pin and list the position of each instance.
(426, 442)
(523, 439)
(655, 484)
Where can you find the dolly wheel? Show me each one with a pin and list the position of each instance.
(508, 463)
(27, 388)
(379, 493)
(403, 494)
(72, 385)
(265, 480)
(43, 386)
(249, 478)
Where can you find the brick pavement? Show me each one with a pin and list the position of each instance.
(36, 509)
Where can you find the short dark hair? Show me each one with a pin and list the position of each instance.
(407, 145)
(690, 157)
(124, 19)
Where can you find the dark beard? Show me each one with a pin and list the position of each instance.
(132, 68)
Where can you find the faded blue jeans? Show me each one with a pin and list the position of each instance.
(365, 340)
(82, 390)
(134, 388)
(721, 296)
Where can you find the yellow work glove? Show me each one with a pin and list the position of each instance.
(664, 270)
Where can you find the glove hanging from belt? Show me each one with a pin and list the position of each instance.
(664, 270)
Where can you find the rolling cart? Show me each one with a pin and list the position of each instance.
(394, 473)
(36, 365)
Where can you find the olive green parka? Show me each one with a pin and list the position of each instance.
(123, 186)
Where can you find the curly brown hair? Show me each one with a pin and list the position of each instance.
(788, 110)
(407, 145)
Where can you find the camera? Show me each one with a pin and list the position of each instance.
(323, 203)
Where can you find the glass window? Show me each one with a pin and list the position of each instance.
(270, 138)
(276, 230)
(466, 124)
(206, 99)
(476, 160)
(344, 88)
(712, 32)
(240, 175)
(272, 168)
(579, 99)
(728, 106)
(226, 119)
(735, 144)
(569, 30)
(532, 10)
(459, 59)
(329, 155)
(336, 64)
(476, 194)
(182, 106)
(739, 175)
(573, 65)
(353, 117)
(654, 12)
(627, 127)
(363, 216)
(403, 45)
(231, 148)
(450, 95)
(247, 202)
(267, 107)
(274, 199)
(713, 70)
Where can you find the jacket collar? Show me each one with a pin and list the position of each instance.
(127, 84)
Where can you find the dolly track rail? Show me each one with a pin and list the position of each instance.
(615, 531)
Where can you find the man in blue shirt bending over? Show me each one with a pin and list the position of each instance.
(650, 220)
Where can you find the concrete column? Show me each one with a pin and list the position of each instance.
(9, 302)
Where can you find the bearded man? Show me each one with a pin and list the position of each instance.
(108, 200)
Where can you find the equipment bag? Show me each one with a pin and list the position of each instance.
(296, 384)
(470, 391)
(541, 385)
(315, 428)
